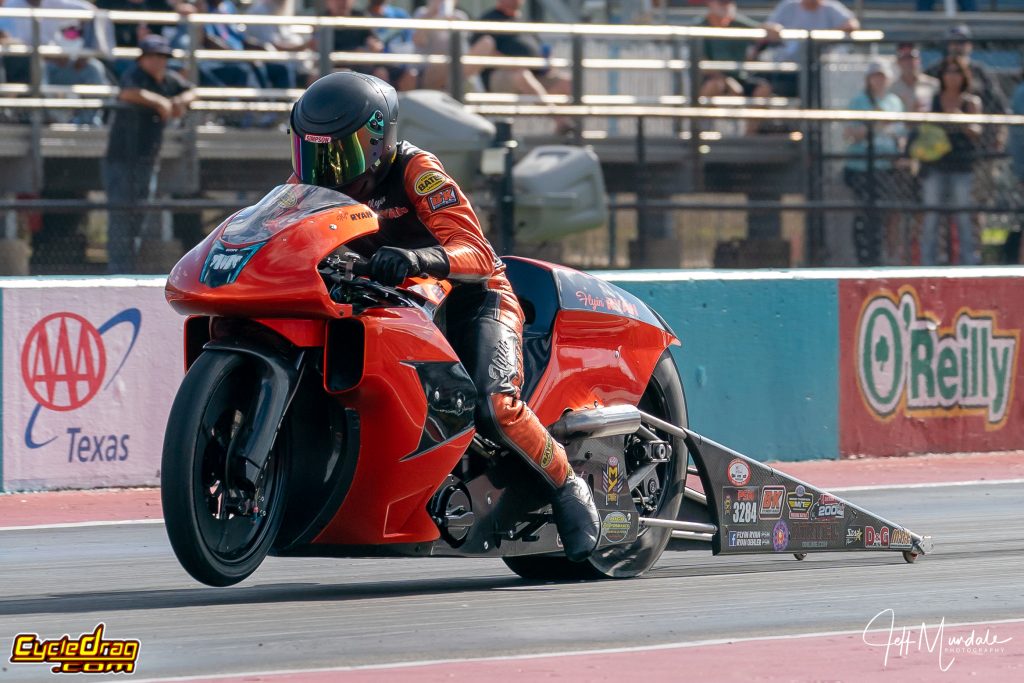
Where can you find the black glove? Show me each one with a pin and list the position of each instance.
(391, 265)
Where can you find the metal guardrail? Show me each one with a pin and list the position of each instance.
(676, 106)
(323, 26)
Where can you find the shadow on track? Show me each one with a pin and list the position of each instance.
(127, 600)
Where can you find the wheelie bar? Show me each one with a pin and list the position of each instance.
(753, 508)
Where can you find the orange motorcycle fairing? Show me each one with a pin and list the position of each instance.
(415, 404)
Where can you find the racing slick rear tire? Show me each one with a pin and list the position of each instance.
(664, 398)
(215, 540)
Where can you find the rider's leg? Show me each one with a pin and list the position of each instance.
(492, 352)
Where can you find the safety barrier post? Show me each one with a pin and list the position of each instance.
(456, 79)
(679, 81)
(325, 45)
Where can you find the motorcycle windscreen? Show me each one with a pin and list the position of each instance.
(283, 206)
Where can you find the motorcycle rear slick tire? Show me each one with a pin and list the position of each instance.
(216, 385)
(664, 398)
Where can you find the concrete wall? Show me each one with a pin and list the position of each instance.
(778, 365)
(799, 365)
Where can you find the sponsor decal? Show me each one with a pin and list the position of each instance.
(906, 360)
(392, 213)
(446, 196)
(750, 539)
(224, 264)
(854, 535)
(549, 453)
(876, 539)
(780, 536)
(738, 472)
(89, 653)
(741, 504)
(799, 502)
(814, 545)
(63, 361)
(428, 181)
(64, 365)
(612, 479)
(900, 539)
(615, 526)
(318, 139)
(610, 303)
(226, 261)
(809, 532)
(771, 501)
(828, 508)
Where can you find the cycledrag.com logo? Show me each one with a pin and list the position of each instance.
(906, 358)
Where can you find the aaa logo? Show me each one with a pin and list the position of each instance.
(63, 361)
(905, 359)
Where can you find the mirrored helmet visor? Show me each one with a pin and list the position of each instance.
(334, 162)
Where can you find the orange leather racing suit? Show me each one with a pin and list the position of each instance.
(420, 206)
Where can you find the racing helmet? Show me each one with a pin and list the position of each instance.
(344, 133)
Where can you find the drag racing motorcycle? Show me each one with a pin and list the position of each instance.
(325, 414)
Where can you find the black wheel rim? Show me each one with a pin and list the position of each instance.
(627, 560)
(231, 523)
(651, 502)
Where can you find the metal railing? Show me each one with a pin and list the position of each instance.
(679, 106)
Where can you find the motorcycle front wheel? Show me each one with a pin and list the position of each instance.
(219, 530)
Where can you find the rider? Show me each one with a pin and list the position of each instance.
(344, 136)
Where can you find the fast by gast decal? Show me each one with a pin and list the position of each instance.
(909, 359)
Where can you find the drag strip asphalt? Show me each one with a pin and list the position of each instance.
(303, 614)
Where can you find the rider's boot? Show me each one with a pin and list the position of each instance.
(576, 518)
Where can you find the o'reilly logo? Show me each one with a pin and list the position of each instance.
(906, 358)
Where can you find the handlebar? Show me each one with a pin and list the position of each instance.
(353, 270)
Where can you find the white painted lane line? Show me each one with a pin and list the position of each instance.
(79, 525)
(546, 655)
(838, 489)
(927, 485)
(681, 275)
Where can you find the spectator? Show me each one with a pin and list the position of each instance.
(396, 41)
(69, 34)
(275, 38)
(390, 36)
(761, 90)
(914, 88)
(962, 5)
(881, 180)
(950, 177)
(14, 68)
(722, 14)
(538, 82)
(435, 76)
(355, 39)
(226, 74)
(809, 15)
(151, 95)
(129, 34)
(1015, 245)
(984, 84)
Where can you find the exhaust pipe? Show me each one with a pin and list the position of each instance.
(597, 422)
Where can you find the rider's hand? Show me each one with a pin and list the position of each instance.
(391, 265)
